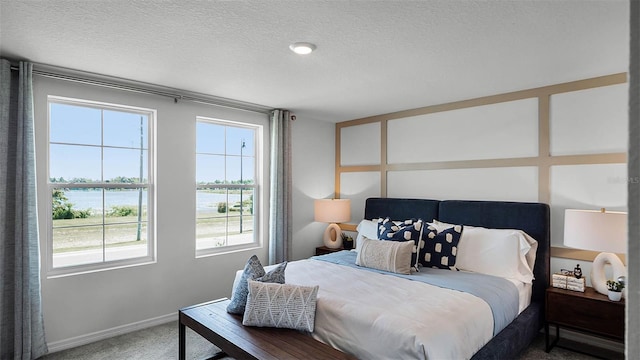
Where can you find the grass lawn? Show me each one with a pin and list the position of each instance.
(88, 233)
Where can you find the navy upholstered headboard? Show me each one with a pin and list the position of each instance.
(400, 209)
(533, 218)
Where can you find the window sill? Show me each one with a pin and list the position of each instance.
(93, 268)
(202, 253)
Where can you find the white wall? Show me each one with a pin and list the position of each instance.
(313, 146)
(82, 308)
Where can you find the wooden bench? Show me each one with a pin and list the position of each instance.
(226, 331)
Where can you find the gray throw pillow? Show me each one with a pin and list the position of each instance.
(281, 305)
(253, 271)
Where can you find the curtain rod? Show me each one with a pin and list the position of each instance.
(143, 88)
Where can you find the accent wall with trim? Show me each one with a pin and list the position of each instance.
(563, 144)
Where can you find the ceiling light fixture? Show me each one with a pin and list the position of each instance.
(302, 48)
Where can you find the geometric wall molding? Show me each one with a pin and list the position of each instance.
(607, 90)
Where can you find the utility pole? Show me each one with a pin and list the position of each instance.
(241, 183)
(138, 236)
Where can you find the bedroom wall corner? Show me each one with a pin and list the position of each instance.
(633, 301)
(313, 149)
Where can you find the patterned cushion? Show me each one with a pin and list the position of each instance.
(407, 230)
(253, 271)
(281, 305)
(394, 256)
(438, 250)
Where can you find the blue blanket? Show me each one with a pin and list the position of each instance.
(500, 294)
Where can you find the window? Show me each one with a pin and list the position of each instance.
(101, 185)
(227, 186)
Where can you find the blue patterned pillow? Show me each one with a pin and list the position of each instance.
(438, 250)
(407, 230)
(253, 271)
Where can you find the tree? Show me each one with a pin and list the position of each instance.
(63, 209)
(61, 206)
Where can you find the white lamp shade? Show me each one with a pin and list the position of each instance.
(332, 210)
(596, 230)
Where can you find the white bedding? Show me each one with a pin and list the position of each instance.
(412, 320)
(524, 294)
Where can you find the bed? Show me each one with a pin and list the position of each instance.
(533, 218)
(376, 315)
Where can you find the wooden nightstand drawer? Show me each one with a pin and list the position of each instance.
(589, 311)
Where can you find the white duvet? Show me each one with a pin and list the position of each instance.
(375, 316)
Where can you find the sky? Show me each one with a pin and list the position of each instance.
(76, 135)
(213, 141)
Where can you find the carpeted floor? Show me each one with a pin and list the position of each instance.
(154, 343)
(161, 342)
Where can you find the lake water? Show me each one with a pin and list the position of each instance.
(85, 199)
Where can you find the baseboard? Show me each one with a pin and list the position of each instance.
(108, 333)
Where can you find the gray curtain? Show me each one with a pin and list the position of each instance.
(633, 259)
(21, 324)
(280, 200)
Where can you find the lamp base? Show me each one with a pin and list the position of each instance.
(332, 236)
(598, 277)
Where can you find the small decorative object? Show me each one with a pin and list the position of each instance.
(566, 279)
(347, 241)
(615, 289)
(577, 272)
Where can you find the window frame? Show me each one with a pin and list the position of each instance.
(257, 186)
(149, 186)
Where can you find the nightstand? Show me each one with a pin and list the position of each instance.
(589, 312)
(322, 250)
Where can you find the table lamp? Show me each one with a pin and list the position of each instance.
(598, 231)
(332, 211)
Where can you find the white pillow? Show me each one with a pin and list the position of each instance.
(366, 228)
(393, 256)
(506, 253)
(442, 226)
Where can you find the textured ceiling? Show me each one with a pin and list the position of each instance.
(373, 57)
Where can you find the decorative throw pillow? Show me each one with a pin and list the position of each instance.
(399, 230)
(253, 271)
(439, 249)
(407, 230)
(393, 256)
(281, 305)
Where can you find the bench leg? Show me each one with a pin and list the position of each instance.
(218, 355)
(182, 345)
(181, 341)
